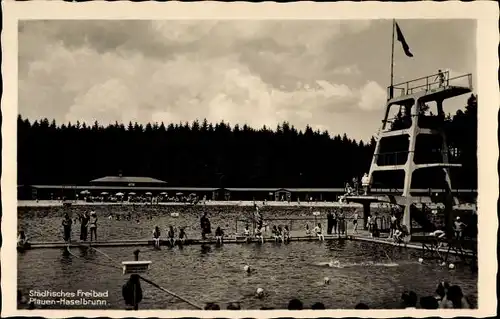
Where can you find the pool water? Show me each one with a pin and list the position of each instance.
(367, 272)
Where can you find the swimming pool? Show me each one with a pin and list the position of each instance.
(376, 275)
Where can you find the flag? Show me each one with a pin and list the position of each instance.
(401, 39)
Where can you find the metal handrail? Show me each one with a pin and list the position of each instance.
(405, 87)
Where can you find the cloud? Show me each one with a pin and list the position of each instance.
(253, 72)
(373, 97)
(347, 70)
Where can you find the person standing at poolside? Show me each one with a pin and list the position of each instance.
(156, 237)
(205, 225)
(355, 223)
(393, 225)
(22, 239)
(334, 222)
(84, 223)
(341, 221)
(329, 223)
(66, 223)
(182, 236)
(369, 225)
(93, 226)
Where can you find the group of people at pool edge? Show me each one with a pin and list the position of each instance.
(336, 224)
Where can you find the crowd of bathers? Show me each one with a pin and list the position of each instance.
(446, 296)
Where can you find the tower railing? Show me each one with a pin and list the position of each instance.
(432, 82)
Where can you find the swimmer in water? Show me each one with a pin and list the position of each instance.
(319, 232)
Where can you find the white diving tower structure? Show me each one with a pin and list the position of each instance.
(414, 141)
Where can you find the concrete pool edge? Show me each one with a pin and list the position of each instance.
(165, 243)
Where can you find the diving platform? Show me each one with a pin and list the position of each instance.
(438, 86)
(399, 152)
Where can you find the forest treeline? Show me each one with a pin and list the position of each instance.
(201, 154)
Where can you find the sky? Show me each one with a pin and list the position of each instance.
(329, 74)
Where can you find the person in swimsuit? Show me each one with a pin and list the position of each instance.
(258, 235)
(341, 222)
(66, 223)
(319, 232)
(334, 222)
(459, 228)
(280, 234)
(393, 225)
(84, 224)
(171, 235)
(219, 235)
(156, 237)
(93, 226)
(246, 233)
(355, 223)
(22, 239)
(205, 225)
(275, 233)
(286, 234)
(370, 225)
(308, 230)
(182, 236)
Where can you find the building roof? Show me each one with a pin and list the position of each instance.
(125, 188)
(127, 179)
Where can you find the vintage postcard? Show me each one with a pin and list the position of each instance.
(262, 160)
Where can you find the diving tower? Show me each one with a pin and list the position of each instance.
(412, 141)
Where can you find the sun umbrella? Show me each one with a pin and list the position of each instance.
(85, 192)
(104, 193)
(163, 193)
(131, 193)
(149, 193)
(119, 194)
(179, 194)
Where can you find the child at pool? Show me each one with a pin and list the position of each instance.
(319, 232)
(156, 237)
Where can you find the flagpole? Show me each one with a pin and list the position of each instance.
(391, 89)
